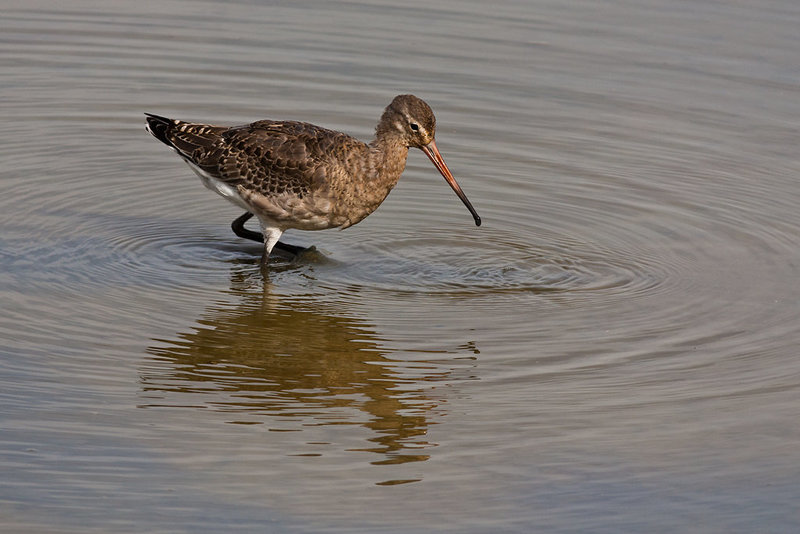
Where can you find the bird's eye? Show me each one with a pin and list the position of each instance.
(414, 127)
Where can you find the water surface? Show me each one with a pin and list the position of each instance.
(614, 350)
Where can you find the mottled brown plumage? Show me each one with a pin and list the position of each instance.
(298, 175)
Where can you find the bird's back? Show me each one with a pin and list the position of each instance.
(292, 172)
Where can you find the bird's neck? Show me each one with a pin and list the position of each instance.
(382, 167)
(387, 159)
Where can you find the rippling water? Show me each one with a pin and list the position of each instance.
(614, 350)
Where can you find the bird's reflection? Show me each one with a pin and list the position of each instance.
(272, 359)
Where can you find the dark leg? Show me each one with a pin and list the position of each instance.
(238, 228)
(294, 250)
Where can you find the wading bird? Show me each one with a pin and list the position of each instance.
(297, 175)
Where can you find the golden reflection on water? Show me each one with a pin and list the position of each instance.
(295, 362)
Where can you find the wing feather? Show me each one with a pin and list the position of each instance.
(289, 171)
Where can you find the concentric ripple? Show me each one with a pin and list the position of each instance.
(110, 251)
(627, 311)
(500, 263)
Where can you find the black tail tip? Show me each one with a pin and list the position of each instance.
(158, 127)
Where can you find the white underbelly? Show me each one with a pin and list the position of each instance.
(282, 214)
(221, 188)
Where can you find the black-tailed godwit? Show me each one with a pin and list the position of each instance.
(297, 175)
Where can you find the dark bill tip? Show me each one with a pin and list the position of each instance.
(433, 154)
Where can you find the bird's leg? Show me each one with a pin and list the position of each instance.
(238, 228)
(271, 236)
(294, 250)
(263, 265)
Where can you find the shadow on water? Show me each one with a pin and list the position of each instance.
(293, 363)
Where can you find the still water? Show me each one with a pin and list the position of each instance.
(614, 350)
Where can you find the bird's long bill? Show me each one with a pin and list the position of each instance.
(433, 154)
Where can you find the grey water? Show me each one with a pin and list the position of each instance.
(614, 350)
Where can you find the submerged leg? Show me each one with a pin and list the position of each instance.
(294, 250)
(238, 228)
(271, 236)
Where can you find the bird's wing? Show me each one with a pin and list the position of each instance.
(285, 169)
